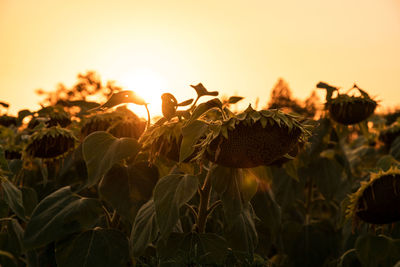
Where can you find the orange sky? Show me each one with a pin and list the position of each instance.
(236, 47)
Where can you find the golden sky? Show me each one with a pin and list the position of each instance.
(236, 47)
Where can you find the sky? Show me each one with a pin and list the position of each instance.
(235, 47)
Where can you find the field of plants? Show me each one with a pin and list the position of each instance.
(293, 184)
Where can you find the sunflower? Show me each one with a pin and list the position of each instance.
(389, 134)
(377, 201)
(50, 143)
(7, 121)
(252, 138)
(346, 109)
(163, 140)
(120, 123)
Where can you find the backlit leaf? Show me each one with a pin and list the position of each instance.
(191, 134)
(58, 215)
(101, 150)
(97, 247)
(171, 193)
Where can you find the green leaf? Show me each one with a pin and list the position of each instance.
(204, 107)
(97, 247)
(101, 150)
(185, 103)
(59, 215)
(231, 197)
(3, 209)
(191, 134)
(241, 233)
(234, 99)
(327, 175)
(193, 248)
(122, 97)
(329, 90)
(144, 230)
(220, 175)
(395, 148)
(311, 244)
(372, 249)
(291, 169)
(202, 91)
(267, 210)
(171, 193)
(29, 199)
(128, 188)
(12, 241)
(385, 162)
(8, 259)
(211, 249)
(3, 161)
(13, 197)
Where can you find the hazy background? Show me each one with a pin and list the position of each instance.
(237, 47)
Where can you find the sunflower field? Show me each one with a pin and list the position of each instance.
(84, 184)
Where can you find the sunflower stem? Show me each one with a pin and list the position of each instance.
(308, 200)
(148, 116)
(203, 210)
(194, 104)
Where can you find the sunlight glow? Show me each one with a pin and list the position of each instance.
(149, 85)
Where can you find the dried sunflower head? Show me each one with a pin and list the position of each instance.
(252, 138)
(52, 115)
(389, 134)
(377, 201)
(163, 140)
(120, 123)
(50, 143)
(12, 152)
(127, 127)
(7, 121)
(98, 122)
(347, 110)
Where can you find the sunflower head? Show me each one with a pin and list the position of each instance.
(13, 152)
(348, 109)
(7, 121)
(163, 140)
(377, 201)
(50, 143)
(121, 123)
(52, 116)
(388, 135)
(252, 138)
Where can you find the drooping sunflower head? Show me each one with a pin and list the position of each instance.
(388, 135)
(127, 127)
(98, 122)
(120, 123)
(7, 121)
(52, 116)
(348, 109)
(12, 152)
(377, 201)
(252, 138)
(163, 140)
(50, 143)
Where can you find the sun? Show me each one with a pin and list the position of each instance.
(149, 85)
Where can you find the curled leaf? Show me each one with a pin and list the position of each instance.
(329, 89)
(201, 90)
(204, 107)
(185, 103)
(122, 97)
